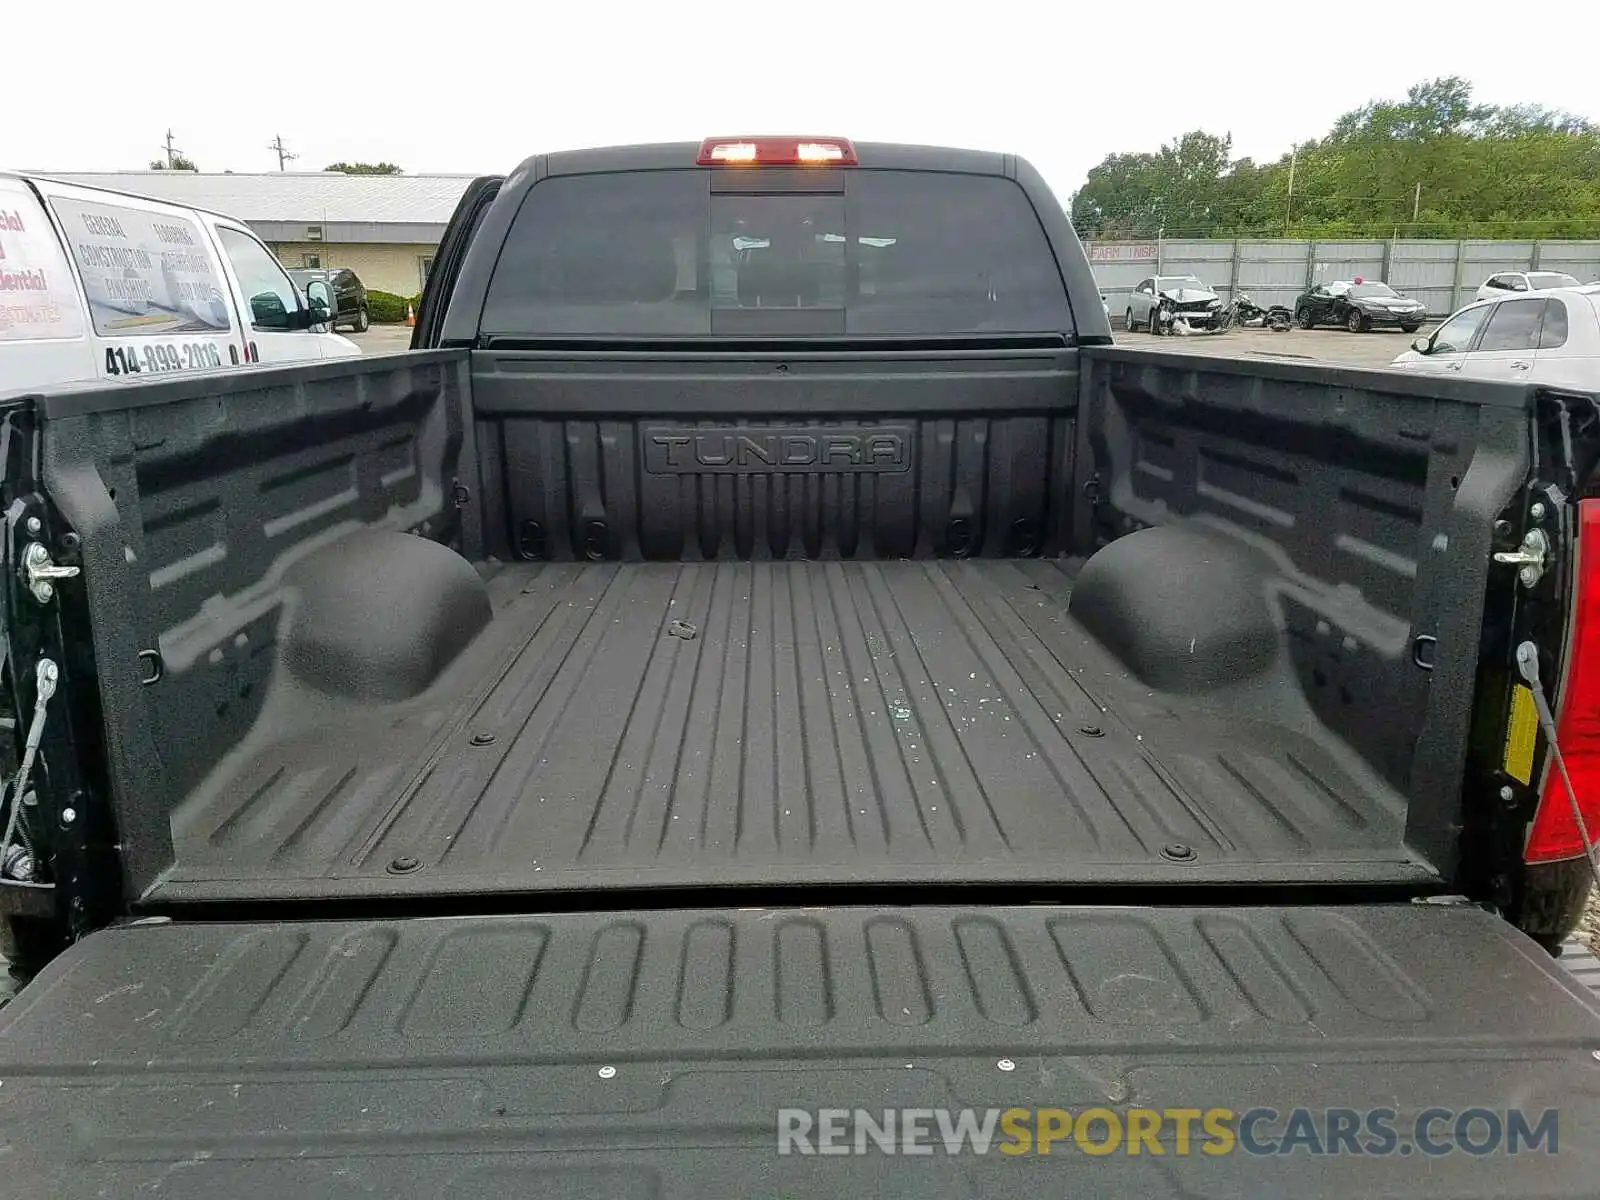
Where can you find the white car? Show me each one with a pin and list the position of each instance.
(1552, 338)
(1183, 295)
(99, 285)
(1496, 286)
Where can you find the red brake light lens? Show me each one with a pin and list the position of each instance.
(1554, 833)
(776, 152)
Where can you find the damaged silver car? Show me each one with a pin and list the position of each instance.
(1164, 303)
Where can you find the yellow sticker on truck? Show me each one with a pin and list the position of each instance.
(1522, 733)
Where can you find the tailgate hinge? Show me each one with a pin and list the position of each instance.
(40, 571)
(1529, 558)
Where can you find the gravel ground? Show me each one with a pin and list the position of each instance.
(1589, 926)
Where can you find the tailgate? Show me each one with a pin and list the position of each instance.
(656, 1053)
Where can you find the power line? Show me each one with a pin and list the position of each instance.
(1201, 221)
(1159, 208)
(1229, 219)
(1484, 231)
(1136, 208)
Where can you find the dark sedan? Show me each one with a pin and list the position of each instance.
(1358, 305)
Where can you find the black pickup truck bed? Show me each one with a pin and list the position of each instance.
(1146, 624)
(719, 723)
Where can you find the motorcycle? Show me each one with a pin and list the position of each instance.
(1244, 312)
(1247, 314)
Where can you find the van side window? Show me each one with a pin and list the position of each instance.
(267, 290)
(144, 272)
(37, 299)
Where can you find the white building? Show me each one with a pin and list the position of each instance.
(384, 227)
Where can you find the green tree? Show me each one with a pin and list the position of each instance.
(360, 168)
(1434, 164)
(1119, 199)
(1186, 184)
(179, 163)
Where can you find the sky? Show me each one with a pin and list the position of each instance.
(467, 87)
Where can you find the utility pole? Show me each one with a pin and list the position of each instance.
(172, 151)
(276, 145)
(1416, 202)
(1288, 208)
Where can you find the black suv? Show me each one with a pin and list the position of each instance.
(349, 293)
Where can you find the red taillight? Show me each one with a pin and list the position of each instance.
(776, 152)
(1554, 835)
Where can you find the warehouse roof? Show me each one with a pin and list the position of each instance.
(300, 197)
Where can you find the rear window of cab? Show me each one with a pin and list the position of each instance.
(660, 253)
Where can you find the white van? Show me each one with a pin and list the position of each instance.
(106, 285)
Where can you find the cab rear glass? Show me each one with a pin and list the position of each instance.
(664, 253)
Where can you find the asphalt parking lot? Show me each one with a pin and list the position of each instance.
(1375, 349)
(383, 339)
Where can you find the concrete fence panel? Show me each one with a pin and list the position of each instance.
(1581, 259)
(1274, 272)
(1426, 271)
(1444, 275)
(1347, 260)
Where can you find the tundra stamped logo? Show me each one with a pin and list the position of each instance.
(763, 451)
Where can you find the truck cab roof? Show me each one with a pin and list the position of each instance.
(670, 156)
